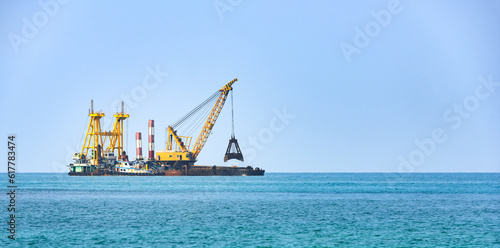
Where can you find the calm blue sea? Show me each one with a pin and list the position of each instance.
(276, 210)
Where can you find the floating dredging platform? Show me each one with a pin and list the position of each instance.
(102, 152)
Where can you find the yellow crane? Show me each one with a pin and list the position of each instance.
(178, 153)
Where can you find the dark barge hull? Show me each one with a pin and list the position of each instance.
(193, 171)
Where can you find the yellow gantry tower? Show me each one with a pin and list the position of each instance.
(116, 136)
(93, 139)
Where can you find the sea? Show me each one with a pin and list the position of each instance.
(275, 210)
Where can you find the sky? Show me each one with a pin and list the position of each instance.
(323, 86)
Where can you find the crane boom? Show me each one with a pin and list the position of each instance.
(212, 118)
(173, 135)
(178, 153)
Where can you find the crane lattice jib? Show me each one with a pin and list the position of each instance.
(212, 118)
(173, 134)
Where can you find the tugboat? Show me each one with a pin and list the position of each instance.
(126, 167)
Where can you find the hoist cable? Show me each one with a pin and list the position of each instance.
(181, 120)
(232, 114)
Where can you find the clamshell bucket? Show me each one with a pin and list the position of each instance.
(233, 151)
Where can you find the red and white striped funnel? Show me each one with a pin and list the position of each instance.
(138, 146)
(151, 145)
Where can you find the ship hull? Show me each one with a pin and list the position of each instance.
(192, 171)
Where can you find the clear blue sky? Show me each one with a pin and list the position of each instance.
(410, 75)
